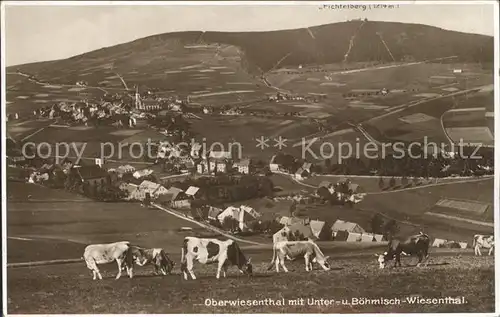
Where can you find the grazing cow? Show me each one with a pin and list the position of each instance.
(415, 245)
(207, 251)
(106, 253)
(483, 241)
(292, 249)
(157, 257)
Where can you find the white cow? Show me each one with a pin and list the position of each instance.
(106, 253)
(483, 241)
(291, 249)
(207, 251)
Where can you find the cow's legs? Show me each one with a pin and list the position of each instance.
(189, 268)
(219, 268)
(477, 250)
(119, 262)
(306, 257)
(282, 262)
(277, 262)
(397, 260)
(491, 250)
(92, 265)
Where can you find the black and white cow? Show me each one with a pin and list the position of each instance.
(483, 241)
(207, 251)
(417, 245)
(106, 253)
(157, 257)
(292, 249)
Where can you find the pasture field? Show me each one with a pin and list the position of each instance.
(70, 289)
(94, 222)
(19, 191)
(392, 128)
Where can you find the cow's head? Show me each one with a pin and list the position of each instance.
(167, 265)
(323, 262)
(382, 259)
(248, 268)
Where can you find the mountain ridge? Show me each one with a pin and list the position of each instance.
(259, 52)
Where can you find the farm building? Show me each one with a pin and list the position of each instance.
(213, 212)
(353, 237)
(317, 227)
(341, 225)
(243, 215)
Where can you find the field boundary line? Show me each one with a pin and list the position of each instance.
(41, 263)
(428, 185)
(476, 222)
(212, 228)
(468, 180)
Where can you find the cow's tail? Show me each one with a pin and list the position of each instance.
(474, 242)
(273, 259)
(129, 258)
(183, 256)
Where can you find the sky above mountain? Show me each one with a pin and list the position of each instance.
(47, 32)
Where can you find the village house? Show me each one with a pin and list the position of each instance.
(301, 174)
(219, 162)
(129, 189)
(179, 198)
(142, 173)
(202, 167)
(243, 166)
(153, 189)
(298, 230)
(273, 166)
(92, 174)
(125, 169)
(346, 231)
(243, 215)
(195, 150)
(193, 192)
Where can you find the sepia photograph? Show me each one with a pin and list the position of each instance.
(232, 157)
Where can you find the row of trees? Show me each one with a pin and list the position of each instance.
(467, 163)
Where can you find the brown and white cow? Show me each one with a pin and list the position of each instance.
(414, 245)
(157, 257)
(292, 249)
(483, 241)
(207, 251)
(95, 254)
